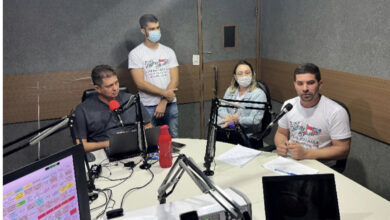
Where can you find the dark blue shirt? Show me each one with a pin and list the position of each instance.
(95, 122)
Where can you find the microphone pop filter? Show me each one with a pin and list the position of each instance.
(114, 105)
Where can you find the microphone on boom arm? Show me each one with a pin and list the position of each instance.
(285, 109)
(115, 107)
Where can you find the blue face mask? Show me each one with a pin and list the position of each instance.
(154, 36)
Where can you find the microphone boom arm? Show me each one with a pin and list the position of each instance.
(211, 137)
(212, 127)
(205, 184)
(47, 131)
(141, 137)
(33, 133)
(286, 109)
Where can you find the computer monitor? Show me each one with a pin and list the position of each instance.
(300, 197)
(52, 188)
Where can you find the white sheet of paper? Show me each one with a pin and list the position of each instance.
(238, 155)
(288, 166)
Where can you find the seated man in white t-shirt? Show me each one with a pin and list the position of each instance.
(316, 127)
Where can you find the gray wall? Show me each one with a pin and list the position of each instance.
(217, 13)
(60, 35)
(347, 35)
(63, 35)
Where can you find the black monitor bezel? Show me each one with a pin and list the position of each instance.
(268, 180)
(77, 152)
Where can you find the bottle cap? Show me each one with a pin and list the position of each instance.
(164, 129)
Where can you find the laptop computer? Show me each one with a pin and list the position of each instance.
(300, 197)
(124, 145)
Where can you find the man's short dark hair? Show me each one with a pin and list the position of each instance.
(144, 19)
(100, 72)
(308, 68)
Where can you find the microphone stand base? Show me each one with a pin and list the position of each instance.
(92, 196)
(208, 172)
(91, 188)
(145, 166)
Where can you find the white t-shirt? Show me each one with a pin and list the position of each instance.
(316, 127)
(156, 65)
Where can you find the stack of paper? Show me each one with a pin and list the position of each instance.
(238, 155)
(288, 166)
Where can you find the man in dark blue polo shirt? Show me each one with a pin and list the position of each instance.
(94, 121)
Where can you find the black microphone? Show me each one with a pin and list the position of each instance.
(128, 104)
(286, 109)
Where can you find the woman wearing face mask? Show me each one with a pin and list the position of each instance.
(243, 87)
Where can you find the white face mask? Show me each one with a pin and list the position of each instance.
(244, 81)
(154, 36)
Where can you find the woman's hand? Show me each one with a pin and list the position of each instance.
(235, 118)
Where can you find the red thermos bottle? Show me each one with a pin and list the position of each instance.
(164, 145)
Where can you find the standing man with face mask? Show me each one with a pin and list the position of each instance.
(154, 69)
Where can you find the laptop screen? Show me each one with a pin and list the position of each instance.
(300, 197)
(125, 145)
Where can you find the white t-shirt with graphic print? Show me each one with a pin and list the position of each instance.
(156, 64)
(316, 127)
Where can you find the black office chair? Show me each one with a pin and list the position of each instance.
(268, 113)
(341, 164)
(238, 135)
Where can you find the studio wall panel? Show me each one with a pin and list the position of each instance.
(66, 36)
(60, 92)
(348, 35)
(216, 14)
